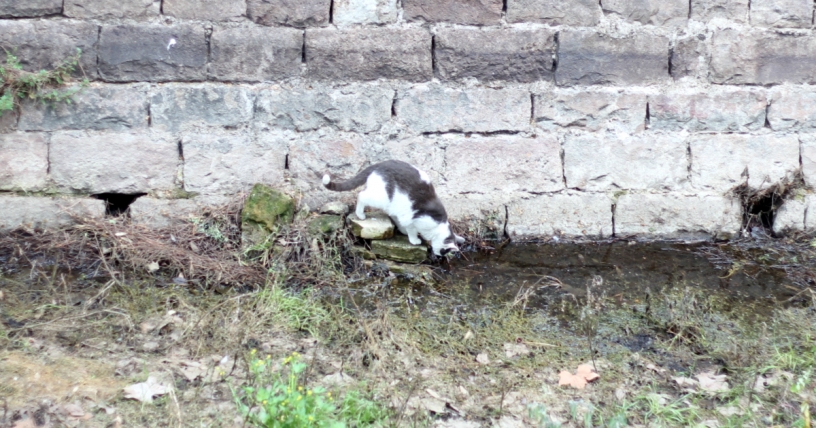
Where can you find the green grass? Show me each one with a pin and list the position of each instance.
(44, 85)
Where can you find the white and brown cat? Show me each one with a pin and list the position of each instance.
(406, 194)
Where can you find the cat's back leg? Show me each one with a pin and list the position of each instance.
(413, 234)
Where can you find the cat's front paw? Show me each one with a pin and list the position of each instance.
(414, 240)
(361, 216)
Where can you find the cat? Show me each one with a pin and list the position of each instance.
(406, 194)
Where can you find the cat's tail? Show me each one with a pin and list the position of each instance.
(350, 184)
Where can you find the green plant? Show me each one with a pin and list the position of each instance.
(43, 85)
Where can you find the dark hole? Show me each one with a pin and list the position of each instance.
(117, 204)
(760, 212)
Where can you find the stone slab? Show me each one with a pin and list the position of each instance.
(31, 212)
(23, 161)
(714, 109)
(582, 215)
(707, 10)
(808, 156)
(466, 12)
(29, 8)
(689, 56)
(324, 224)
(791, 216)
(361, 54)
(177, 106)
(226, 163)
(591, 58)
(608, 162)
(113, 162)
(47, 44)
(399, 250)
(436, 108)
(99, 107)
(719, 162)
(112, 9)
(350, 12)
(293, 13)
(677, 216)
(377, 225)
(591, 109)
(792, 109)
(760, 57)
(356, 107)
(670, 13)
(495, 54)
(207, 10)
(554, 12)
(255, 54)
(782, 13)
(152, 53)
(8, 121)
(160, 213)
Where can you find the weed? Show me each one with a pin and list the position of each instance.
(538, 414)
(44, 85)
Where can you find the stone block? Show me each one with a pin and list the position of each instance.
(207, 10)
(174, 107)
(293, 13)
(359, 108)
(255, 54)
(226, 163)
(29, 8)
(706, 10)
(39, 213)
(47, 44)
(688, 56)
(608, 162)
(369, 54)
(376, 225)
(495, 54)
(267, 207)
(719, 162)
(760, 57)
(677, 216)
(342, 155)
(324, 224)
(466, 12)
(792, 109)
(715, 109)
(782, 13)
(100, 107)
(435, 108)
(399, 250)
(8, 121)
(591, 58)
(112, 9)
(808, 155)
(591, 109)
(159, 213)
(791, 216)
(153, 53)
(504, 164)
(113, 162)
(349, 12)
(650, 12)
(554, 12)
(568, 214)
(23, 161)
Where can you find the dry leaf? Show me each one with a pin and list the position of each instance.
(711, 382)
(513, 349)
(579, 380)
(152, 267)
(73, 411)
(146, 390)
(435, 405)
(433, 394)
(483, 358)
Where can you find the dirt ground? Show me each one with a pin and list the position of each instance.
(108, 324)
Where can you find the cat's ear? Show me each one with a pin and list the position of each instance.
(459, 239)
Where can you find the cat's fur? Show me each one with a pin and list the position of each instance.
(406, 194)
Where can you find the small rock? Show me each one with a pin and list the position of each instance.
(263, 210)
(362, 252)
(421, 272)
(336, 208)
(377, 225)
(399, 250)
(325, 224)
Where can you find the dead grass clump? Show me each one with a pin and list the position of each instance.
(759, 205)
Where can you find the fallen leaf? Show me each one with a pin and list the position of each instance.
(433, 394)
(468, 335)
(73, 411)
(587, 372)
(146, 390)
(711, 382)
(483, 358)
(579, 380)
(337, 379)
(192, 369)
(513, 349)
(655, 368)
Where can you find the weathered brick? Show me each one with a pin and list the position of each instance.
(470, 12)
(762, 57)
(554, 12)
(348, 12)
(435, 108)
(677, 216)
(46, 44)
(590, 58)
(808, 153)
(606, 162)
(568, 214)
(792, 109)
(719, 162)
(310, 156)
(8, 121)
(113, 162)
(225, 163)
(688, 55)
(114, 107)
(424, 152)
(504, 164)
(294, 13)
(46, 213)
(23, 161)
(359, 108)
(791, 216)
(152, 53)
(29, 8)
(174, 107)
(369, 54)
(591, 109)
(706, 10)
(112, 9)
(159, 213)
(654, 12)
(782, 13)
(496, 54)
(733, 110)
(255, 54)
(209, 10)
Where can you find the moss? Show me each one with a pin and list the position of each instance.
(399, 250)
(324, 224)
(268, 207)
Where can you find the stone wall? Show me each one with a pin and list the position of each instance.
(580, 118)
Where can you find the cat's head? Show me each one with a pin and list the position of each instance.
(449, 244)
